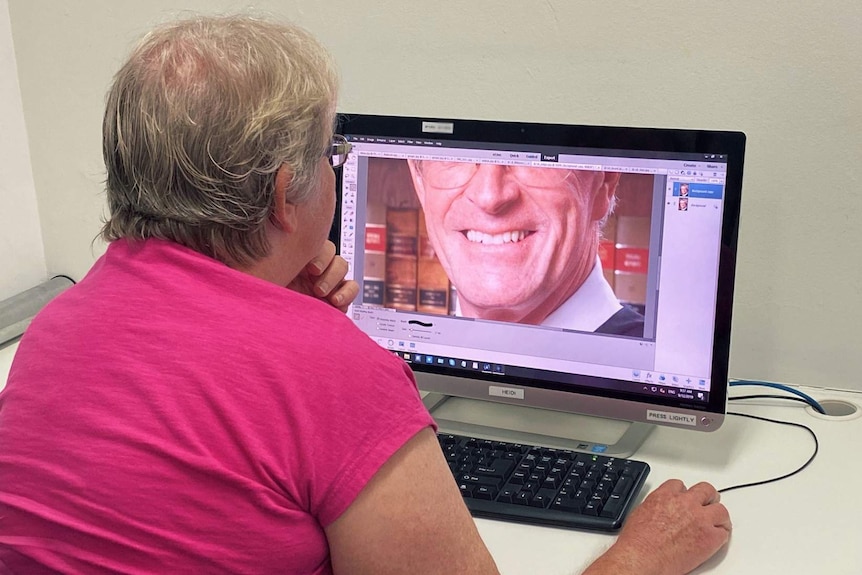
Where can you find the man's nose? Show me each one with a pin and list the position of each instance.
(492, 190)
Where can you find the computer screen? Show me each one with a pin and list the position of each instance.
(578, 269)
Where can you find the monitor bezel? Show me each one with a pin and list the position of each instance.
(588, 400)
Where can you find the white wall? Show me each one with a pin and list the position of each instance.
(786, 73)
(22, 257)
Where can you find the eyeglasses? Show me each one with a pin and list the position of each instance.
(451, 175)
(338, 151)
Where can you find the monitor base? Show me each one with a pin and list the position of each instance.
(531, 425)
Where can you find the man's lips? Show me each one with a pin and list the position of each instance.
(507, 237)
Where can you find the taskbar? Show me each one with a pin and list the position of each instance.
(469, 365)
(452, 362)
(679, 392)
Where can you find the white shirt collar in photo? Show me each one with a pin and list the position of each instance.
(587, 309)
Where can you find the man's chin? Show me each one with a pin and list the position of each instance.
(493, 306)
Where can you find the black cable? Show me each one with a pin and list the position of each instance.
(768, 396)
(808, 399)
(785, 476)
(64, 276)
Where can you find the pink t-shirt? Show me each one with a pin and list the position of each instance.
(171, 415)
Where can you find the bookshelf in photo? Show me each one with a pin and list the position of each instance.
(401, 269)
(624, 247)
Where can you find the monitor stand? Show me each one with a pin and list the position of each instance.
(531, 425)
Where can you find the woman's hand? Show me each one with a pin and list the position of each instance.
(323, 278)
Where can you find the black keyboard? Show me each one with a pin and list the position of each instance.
(530, 484)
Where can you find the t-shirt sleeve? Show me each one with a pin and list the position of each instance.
(362, 409)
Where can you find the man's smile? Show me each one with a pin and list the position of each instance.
(513, 236)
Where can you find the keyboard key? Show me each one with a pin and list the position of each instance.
(547, 495)
(470, 479)
(623, 485)
(592, 508)
(499, 468)
(582, 494)
(565, 504)
(507, 494)
(557, 472)
(630, 470)
(551, 483)
(485, 492)
(523, 498)
(519, 477)
(530, 487)
(447, 439)
(540, 500)
(604, 487)
(613, 506)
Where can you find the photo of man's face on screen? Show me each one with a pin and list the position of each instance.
(533, 245)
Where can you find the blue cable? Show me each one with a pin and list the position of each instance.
(808, 399)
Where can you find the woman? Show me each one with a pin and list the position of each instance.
(179, 410)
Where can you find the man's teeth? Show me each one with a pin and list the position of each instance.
(504, 238)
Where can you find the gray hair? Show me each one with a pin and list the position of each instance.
(199, 120)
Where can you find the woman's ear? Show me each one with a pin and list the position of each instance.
(283, 213)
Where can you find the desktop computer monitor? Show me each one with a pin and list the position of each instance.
(569, 269)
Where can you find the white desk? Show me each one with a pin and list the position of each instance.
(809, 523)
